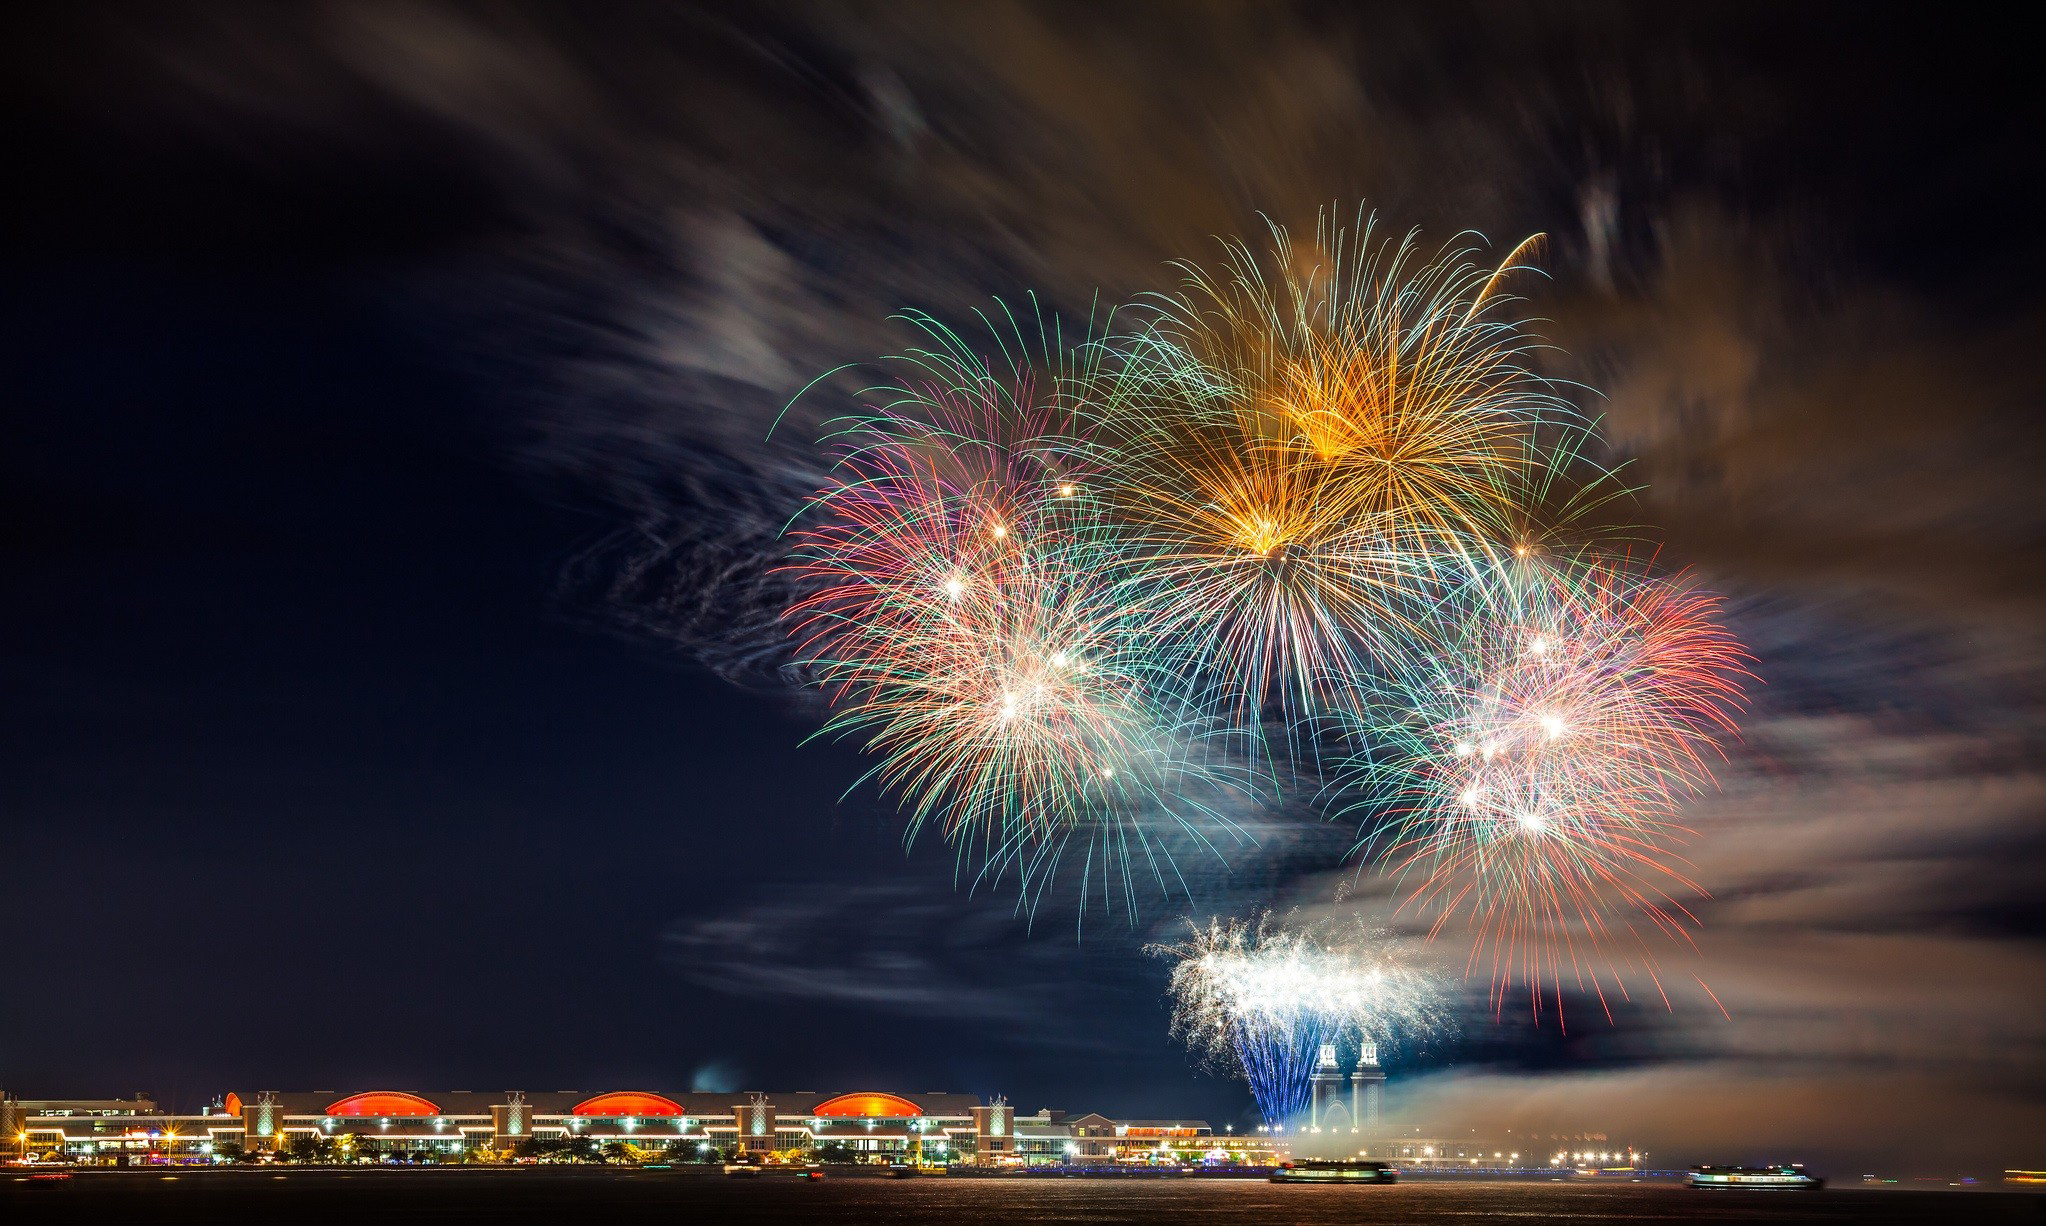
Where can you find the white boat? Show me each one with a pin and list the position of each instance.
(1791, 1176)
(1334, 1172)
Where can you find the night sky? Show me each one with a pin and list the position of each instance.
(390, 689)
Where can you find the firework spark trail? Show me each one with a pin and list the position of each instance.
(1261, 999)
(1315, 517)
(1528, 773)
(1306, 438)
(958, 619)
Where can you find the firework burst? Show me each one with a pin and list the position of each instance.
(1315, 517)
(1526, 774)
(1305, 438)
(1261, 999)
(959, 619)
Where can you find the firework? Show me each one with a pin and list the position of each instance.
(1305, 438)
(1261, 1000)
(960, 621)
(1095, 593)
(1526, 772)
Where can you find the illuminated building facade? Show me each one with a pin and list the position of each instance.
(1059, 1138)
(121, 1129)
(452, 1122)
(934, 1128)
(1362, 1109)
(1420, 1152)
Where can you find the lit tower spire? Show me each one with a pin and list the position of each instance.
(1325, 1109)
(1367, 1088)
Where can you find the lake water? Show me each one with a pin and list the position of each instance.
(265, 1195)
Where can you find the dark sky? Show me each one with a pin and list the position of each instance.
(390, 686)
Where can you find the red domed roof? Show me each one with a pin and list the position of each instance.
(867, 1106)
(628, 1102)
(383, 1102)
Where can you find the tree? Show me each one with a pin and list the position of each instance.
(581, 1148)
(310, 1147)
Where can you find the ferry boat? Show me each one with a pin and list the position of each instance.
(1334, 1172)
(1790, 1176)
(750, 1166)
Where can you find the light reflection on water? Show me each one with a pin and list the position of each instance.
(429, 1195)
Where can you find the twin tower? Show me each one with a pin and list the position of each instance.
(1327, 1111)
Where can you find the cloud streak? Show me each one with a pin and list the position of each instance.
(1824, 380)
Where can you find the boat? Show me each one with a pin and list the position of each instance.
(1788, 1176)
(1334, 1172)
(742, 1169)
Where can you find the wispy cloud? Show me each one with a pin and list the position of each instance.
(702, 208)
(908, 948)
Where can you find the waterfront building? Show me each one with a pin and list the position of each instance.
(1362, 1109)
(1344, 1120)
(449, 1123)
(446, 1125)
(1340, 1124)
(1367, 1088)
(1418, 1149)
(1058, 1138)
(112, 1129)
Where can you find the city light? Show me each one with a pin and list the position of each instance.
(945, 1131)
